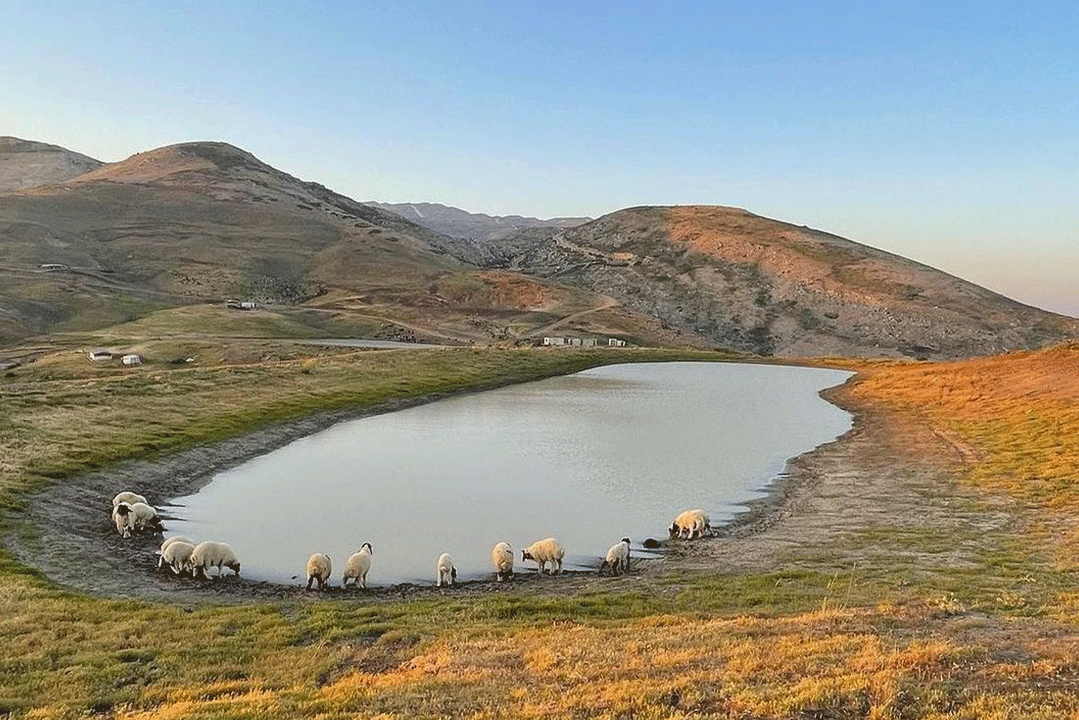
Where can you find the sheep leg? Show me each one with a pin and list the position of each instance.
(558, 570)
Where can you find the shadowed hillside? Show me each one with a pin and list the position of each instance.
(754, 284)
(201, 222)
(479, 226)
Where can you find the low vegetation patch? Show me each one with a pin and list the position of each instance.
(813, 637)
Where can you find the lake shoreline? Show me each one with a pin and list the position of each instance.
(74, 533)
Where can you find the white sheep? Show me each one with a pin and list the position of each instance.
(210, 554)
(502, 559)
(357, 566)
(318, 570)
(127, 497)
(169, 541)
(174, 539)
(177, 555)
(690, 525)
(617, 558)
(543, 552)
(445, 570)
(145, 516)
(124, 520)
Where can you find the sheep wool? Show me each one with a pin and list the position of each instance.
(543, 552)
(127, 497)
(445, 570)
(145, 516)
(210, 554)
(318, 570)
(174, 539)
(502, 559)
(177, 556)
(617, 557)
(690, 524)
(357, 567)
(124, 520)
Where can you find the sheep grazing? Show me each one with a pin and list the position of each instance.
(318, 570)
(617, 558)
(356, 567)
(145, 517)
(502, 559)
(177, 556)
(447, 573)
(124, 520)
(690, 525)
(127, 497)
(543, 552)
(213, 554)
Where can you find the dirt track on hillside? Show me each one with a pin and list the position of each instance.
(887, 471)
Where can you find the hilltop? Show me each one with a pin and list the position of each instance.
(196, 223)
(773, 288)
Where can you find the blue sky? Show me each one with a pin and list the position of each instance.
(945, 132)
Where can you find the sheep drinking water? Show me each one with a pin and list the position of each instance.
(213, 554)
(543, 552)
(690, 525)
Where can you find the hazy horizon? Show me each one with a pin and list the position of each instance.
(942, 133)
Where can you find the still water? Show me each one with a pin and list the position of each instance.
(587, 458)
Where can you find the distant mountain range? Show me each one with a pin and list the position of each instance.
(86, 245)
(459, 223)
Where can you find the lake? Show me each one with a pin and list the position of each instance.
(587, 458)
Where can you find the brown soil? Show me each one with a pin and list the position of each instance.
(886, 472)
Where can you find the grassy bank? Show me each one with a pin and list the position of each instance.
(812, 635)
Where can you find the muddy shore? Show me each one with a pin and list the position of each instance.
(65, 531)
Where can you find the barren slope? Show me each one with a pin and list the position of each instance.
(24, 164)
(750, 283)
(201, 222)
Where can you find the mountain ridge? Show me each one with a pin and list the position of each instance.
(198, 222)
(455, 222)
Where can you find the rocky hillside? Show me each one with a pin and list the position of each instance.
(25, 164)
(97, 245)
(477, 226)
(746, 282)
(202, 222)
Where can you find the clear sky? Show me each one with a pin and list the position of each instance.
(947, 132)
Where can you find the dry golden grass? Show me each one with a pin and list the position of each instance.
(722, 646)
(1012, 419)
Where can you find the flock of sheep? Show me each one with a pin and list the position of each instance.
(131, 512)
